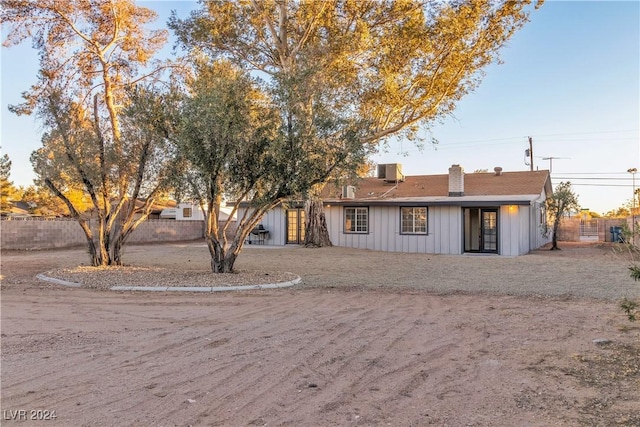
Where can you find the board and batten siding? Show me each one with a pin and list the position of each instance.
(520, 229)
(513, 226)
(444, 231)
(275, 221)
(537, 224)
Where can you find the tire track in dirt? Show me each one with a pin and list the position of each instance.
(308, 357)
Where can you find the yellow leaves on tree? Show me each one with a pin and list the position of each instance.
(90, 55)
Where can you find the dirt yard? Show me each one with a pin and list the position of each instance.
(367, 338)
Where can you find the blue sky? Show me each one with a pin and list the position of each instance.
(570, 79)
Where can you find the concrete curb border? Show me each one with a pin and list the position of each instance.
(179, 288)
(58, 281)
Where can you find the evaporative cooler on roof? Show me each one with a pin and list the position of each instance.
(390, 172)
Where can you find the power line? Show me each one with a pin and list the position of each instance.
(600, 185)
(596, 173)
(460, 145)
(582, 139)
(589, 133)
(589, 178)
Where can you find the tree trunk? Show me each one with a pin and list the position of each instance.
(116, 258)
(316, 233)
(103, 243)
(228, 262)
(97, 256)
(554, 239)
(222, 259)
(216, 252)
(93, 253)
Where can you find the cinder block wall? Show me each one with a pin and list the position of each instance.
(604, 232)
(167, 230)
(569, 230)
(38, 233)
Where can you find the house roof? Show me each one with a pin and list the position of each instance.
(506, 188)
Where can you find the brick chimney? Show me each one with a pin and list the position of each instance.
(456, 181)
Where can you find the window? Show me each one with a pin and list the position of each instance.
(186, 212)
(413, 220)
(356, 220)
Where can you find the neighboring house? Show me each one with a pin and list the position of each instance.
(501, 213)
(183, 211)
(191, 212)
(16, 209)
(22, 209)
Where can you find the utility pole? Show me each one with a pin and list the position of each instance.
(531, 152)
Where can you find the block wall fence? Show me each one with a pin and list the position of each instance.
(40, 233)
(569, 230)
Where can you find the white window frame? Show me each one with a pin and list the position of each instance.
(414, 226)
(359, 218)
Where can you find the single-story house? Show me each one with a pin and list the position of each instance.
(183, 212)
(498, 213)
(192, 212)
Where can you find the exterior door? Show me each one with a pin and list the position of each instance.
(480, 230)
(489, 230)
(295, 226)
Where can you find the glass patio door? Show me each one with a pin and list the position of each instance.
(481, 230)
(295, 226)
(489, 230)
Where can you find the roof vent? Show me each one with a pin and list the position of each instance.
(498, 170)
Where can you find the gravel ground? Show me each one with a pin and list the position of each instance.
(104, 278)
(578, 270)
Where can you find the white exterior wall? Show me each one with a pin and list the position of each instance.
(526, 239)
(445, 230)
(513, 230)
(196, 212)
(444, 235)
(274, 221)
(520, 229)
(537, 239)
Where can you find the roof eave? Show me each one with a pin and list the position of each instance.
(467, 201)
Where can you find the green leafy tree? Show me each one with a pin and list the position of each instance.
(90, 54)
(7, 190)
(561, 202)
(224, 137)
(379, 68)
(233, 143)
